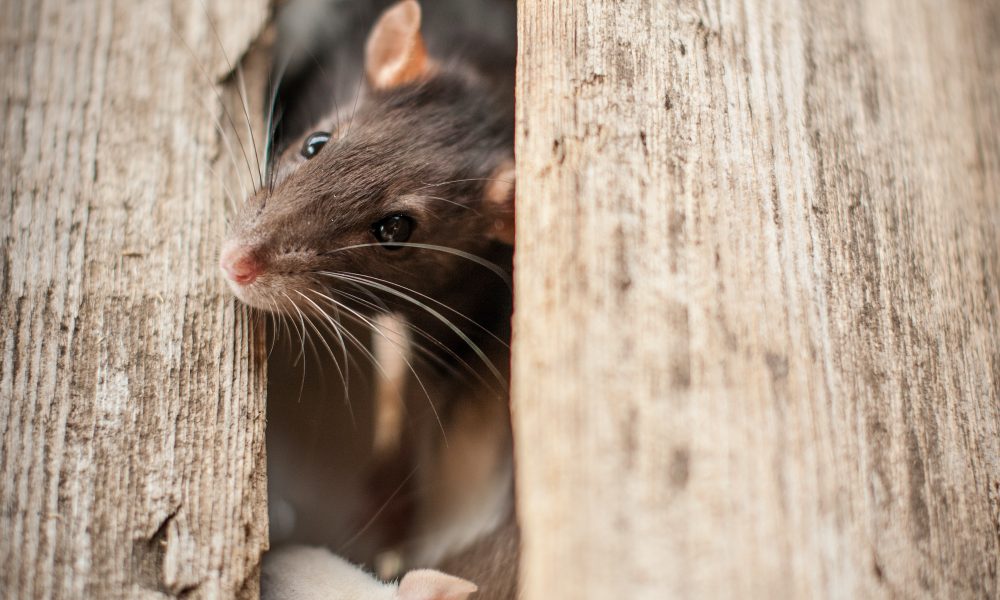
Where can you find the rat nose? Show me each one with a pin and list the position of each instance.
(239, 265)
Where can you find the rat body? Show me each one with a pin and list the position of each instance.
(403, 204)
(307, 573)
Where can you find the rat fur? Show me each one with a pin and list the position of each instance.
(430, 139)
(308, 573)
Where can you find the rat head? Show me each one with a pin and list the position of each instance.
(410, 191)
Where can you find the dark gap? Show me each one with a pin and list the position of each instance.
(328, 482)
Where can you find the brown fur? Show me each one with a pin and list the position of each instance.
(432, 140)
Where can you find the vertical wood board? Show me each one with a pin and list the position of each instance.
(757, 329)
(131, 388)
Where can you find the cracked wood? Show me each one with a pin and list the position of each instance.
(132, 448)
(757, 329)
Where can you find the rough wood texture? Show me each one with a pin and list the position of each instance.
(757, 350)
(131, 421)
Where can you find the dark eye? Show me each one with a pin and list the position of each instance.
(393, 230)
(314, 143)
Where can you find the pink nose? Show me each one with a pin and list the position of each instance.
(239, 265)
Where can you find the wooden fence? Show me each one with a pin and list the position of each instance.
(757, 335)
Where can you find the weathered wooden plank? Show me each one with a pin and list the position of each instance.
(757, 336)
(131, 421)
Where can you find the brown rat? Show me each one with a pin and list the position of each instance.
(403, 203)
(423, 162)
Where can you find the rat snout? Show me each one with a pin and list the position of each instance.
(239, 264)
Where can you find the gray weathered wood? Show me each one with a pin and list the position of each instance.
(131, 420)
(757, 335)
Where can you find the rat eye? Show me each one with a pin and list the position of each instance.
(393, 230)
(314, 143)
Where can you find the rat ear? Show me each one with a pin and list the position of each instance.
(498, 200)
(428, 584)
(395, 53)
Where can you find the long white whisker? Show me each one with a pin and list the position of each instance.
(353, 339)
(428, 185)
(274, 326)
(447, 322)
(364, 349)
(402, 356)
(246, 112)
(336, 329)
(229, 146)
(302, 353)
(434, 300)
(357, 95)
(458, 204)
(378, 513)
(454, 251)
(229, 193)
(241, 90)
(343, 379)
(377, 305)
(423, 348)
(218, 96)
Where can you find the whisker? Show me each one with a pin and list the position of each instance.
(378, 513)
(434, 300)
(276, 326)
(357, 95)
(340, 339)
(330, 81)
(218, 96)
(360, 318)
(229, 193)
(427, 185)
(341, 330)
(423, 348)
(447, 322)
(349, 359)
(495, 269)
(229, 147)
(302, 352)
(376, 304)
(402, 355)
(343, 379)
(364, 349)
(458, 204)
(241, 90)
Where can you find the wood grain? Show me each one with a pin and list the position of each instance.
(757, 330)
(131, 420)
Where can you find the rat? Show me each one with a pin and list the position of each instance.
(402, 203)
(309, 573)
(414, 188)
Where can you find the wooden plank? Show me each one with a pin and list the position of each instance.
(757, 335)
(131, 420)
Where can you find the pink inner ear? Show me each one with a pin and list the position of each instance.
(428, 584)
(499, 200)
(395, 52)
